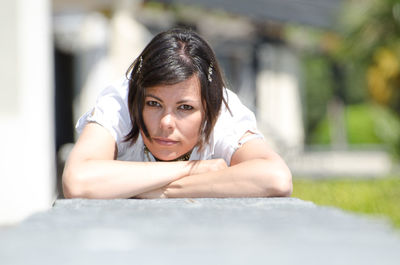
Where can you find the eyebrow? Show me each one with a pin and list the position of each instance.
(179, 102)
(151, 95)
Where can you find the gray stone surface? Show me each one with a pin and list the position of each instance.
(198, 231)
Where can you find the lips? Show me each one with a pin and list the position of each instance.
(165, 141)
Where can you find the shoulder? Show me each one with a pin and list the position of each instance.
(118, 89)
(237, 110)
(110, 111)
(113, 100)
(231, 126)
(231, 97)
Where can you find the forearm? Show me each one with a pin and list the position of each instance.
(253, 178)
(119, 179)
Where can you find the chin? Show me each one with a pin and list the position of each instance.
(166, 157)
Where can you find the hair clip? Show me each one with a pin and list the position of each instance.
(140, 64)
(210, 72)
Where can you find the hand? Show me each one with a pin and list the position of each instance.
(204, 166)
(196, 167)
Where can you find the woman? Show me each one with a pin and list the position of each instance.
(171, 129)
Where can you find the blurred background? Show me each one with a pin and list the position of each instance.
(322, 77)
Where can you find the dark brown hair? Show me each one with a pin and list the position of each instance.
(171, 57)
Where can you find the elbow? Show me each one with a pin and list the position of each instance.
(72, 184)
(279, 182)
(284, 185)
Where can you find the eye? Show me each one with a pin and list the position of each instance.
(185, 107)
(152, 103)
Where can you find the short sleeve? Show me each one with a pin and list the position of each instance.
(111, 112)
(232, 126)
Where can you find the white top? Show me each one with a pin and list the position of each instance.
(111, 111)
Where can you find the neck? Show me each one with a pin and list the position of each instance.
(184, 157)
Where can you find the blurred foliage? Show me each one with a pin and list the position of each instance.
(372, 42)
(321, 135)
(366, 49)
(319, 89)
(361, 124)
(380, 197)
(387, 128)
(366, 123)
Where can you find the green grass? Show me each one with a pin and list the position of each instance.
(380, 197)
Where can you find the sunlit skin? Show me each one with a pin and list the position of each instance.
(173, 115)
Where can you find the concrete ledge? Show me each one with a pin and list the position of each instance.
(320, 164)
(198, 231)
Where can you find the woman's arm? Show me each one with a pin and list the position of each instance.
(92, 172)
(256, 171)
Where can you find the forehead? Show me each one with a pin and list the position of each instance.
(190, 88)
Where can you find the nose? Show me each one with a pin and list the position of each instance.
(167, 121)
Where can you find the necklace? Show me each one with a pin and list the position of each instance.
(184, 157)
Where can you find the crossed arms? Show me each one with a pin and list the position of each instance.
(92, 172)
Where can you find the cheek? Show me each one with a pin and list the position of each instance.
(191, 126)
(148, 119)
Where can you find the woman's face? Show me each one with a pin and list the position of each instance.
(173, 115)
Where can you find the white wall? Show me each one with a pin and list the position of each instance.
(279, 110)
(27, 163)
